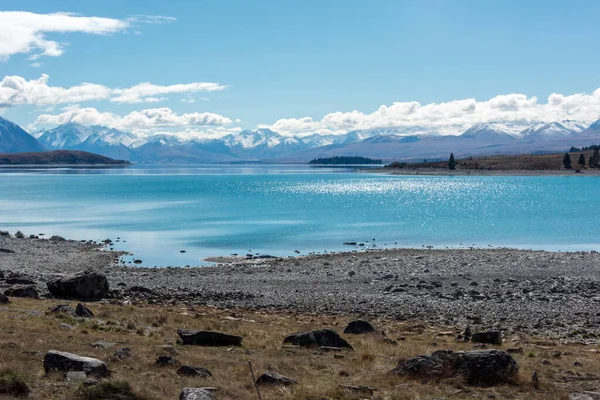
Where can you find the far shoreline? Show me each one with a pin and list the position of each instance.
(477, 172)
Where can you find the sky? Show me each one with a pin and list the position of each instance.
(208, 68)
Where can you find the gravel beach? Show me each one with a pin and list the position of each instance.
(553, 294)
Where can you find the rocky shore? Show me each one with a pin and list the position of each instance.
(551, 294)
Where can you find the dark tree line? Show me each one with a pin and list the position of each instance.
(345, 160)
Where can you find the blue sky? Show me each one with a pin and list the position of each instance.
(308, 59)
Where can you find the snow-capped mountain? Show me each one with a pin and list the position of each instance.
(552, 130)
(395, 143)
(490, 131)
(13, 139)
(66, 136)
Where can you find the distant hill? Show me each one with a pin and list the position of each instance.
(58, 157)
(14, 139)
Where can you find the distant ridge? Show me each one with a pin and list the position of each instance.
(408, 143)
(58, 157)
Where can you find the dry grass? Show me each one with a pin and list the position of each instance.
(25, 337)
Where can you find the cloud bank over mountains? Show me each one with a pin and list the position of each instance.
(448, 118)
(451, 117)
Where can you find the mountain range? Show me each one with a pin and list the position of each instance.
(263, 145)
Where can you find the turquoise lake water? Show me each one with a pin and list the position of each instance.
(215, 210)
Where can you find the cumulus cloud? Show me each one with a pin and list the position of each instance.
(25, 32)
(137, 121)
(16, 90)
(451, 117)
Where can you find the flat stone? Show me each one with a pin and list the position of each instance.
(186, 370)
(317, 338)
(273, 378)
(208, 338)
(359, 327)
(66, 362)
(23, 291)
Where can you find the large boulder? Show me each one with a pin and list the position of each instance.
(481, 367)
(23, 291)
(208, 338)
(359, 327)
(489, 337)
(4, 299)
(65, 362)
(196, 394)
(318, 338)
(84, 285)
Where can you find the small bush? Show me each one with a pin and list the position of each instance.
(119, 390)
(12, 384)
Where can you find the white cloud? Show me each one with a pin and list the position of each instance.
(137, 121)
(36, 65)
(144, 91)
(25, 32)
(451, 117)
(16, 90)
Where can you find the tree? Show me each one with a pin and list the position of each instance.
(596, 158)
(451, 162)
(581, 160)
(567, 161)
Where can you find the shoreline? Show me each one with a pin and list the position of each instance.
(476, 172)
(538, 292)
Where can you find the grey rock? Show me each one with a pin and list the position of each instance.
(359, 327)
(273, 378)
(4, 233)
(66, 362)
(66, 326)
(57, 238)
(186, 370)
(166, 360)
(580, 396)
(480, 367)
(8, 251)
(19, 279)
(4, 299)
(121, 354)
(489, 337)
(76, 376)
(102, 344)
(84, 285)
(20, 235)
(62, 309)
(196, 394)
(23, 291)
(83, 311)
(208, 338)
(317, 338)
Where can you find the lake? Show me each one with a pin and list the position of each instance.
(210, 210)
